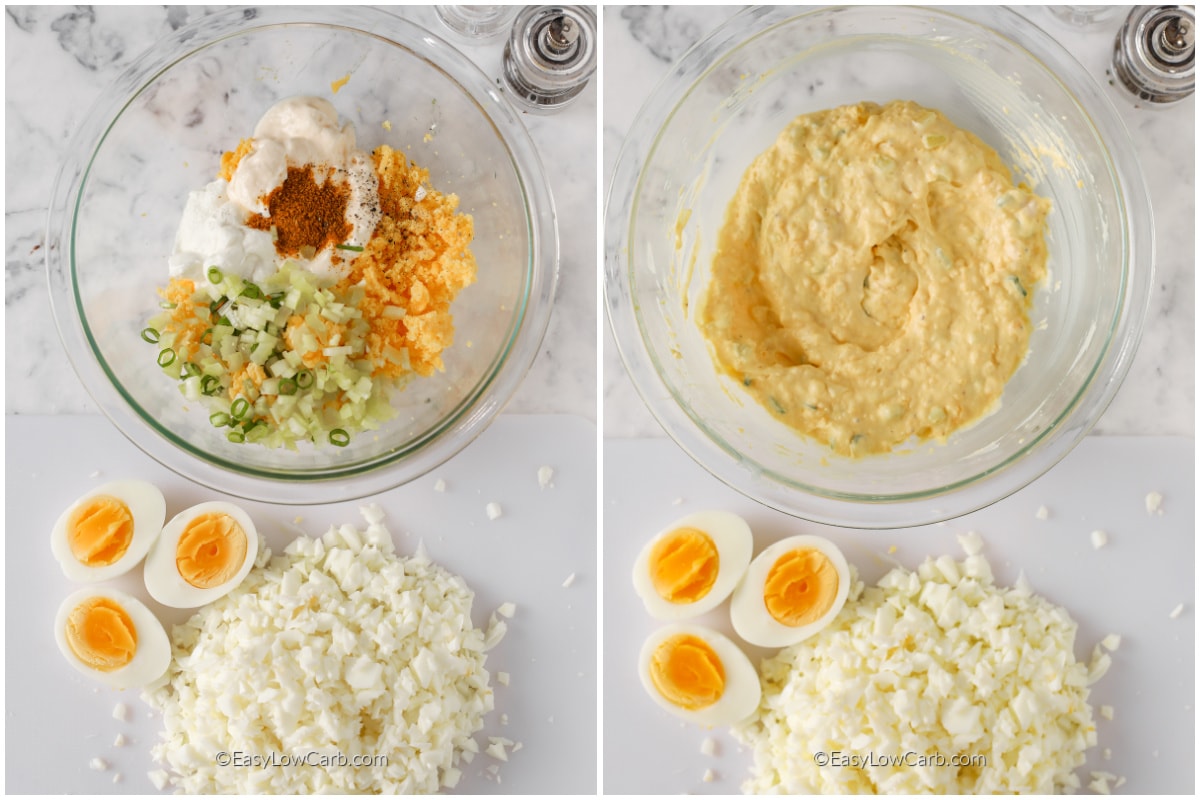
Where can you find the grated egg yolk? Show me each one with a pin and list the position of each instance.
(101, 634)
(684, 565)
(801, 587)
(687, 672)
(211, 550)
(100, 530)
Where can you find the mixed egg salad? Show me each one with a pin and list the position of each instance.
(308, 281)
(978, 683)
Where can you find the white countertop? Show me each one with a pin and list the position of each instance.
(1158, 396)
(59, 59)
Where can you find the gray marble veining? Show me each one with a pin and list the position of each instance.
(57, 62)
(1158, 395)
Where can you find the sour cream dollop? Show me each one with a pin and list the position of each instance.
(296, 131)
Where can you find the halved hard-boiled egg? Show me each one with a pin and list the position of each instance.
(112, 637)
(202, 555)
(699, 675)
(106, 532)
(791, 591)
(693, 564)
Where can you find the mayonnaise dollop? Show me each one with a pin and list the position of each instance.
(294, 132)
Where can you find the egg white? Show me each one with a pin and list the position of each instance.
(748, 609)
(742, 687)
(148, 508)
(153, 654)
(735, 544)
(162, 577)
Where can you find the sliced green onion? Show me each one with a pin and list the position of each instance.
(215, 276)
(304, 379)
(339, 437)
(189, 370)
(209, 384)
(237, 437)
(239, 407)
(251, 291)
(225, 321)
(287, 386)
(207, 337)
(166, 357)
(150, 335)
(276, 299)
(216, 305)
(352, 247)
(219, 419)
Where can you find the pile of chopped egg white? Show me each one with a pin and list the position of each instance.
(361, 664)
(933, 681)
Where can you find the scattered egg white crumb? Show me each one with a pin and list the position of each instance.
(1176, 611)
(95, 474)
(1154, 503)
(493, 771)
(494, 511)
(709, 746)
(504, 719)
(159, 778)
(1042, 513)
(709, 776)
(503, 678)
(1099, 539)
(1107, 712)
(121, 712)
(387, 124)
(118, 777)
(1120, 782)
(439, 485)
(1107, 754)
(971, 543)
(570, 580)
(507, 610)
(495, 632)
(496, 747)
(516, 747)
(1098, 665)
(545, 477)
(678, 501)
(451, 777)
(98, 764)
(1111, 642)
(120, 741)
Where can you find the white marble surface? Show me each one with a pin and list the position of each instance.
(59, 59)
(1158, 396)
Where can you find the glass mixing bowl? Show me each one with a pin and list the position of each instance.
(158, 133)
(991, 72)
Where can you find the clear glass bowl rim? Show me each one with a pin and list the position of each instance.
(875, 511)
(470, 418)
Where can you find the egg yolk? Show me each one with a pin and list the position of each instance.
(211, 550)
(684, 565)
(101, 634)
(99, 531)
(687, 672)
(801, 587)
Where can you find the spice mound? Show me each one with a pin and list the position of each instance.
(309, 281)
(336, 667)
(933, 681)
(873, 276)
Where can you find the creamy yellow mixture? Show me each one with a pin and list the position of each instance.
(873, 277)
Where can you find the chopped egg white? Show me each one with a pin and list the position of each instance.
(1107, 712)
(338, 644)
(1154, 503)
(439, 485)
(709, 776)
(709, 746)
(121, 712)
(569, 581)
(120, 741)
(1111, 642)
(494, 511)
(98, 764)
(1176, 611)
(1043, 513)
(935, 661)
(545, 477)
(1099, 539)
